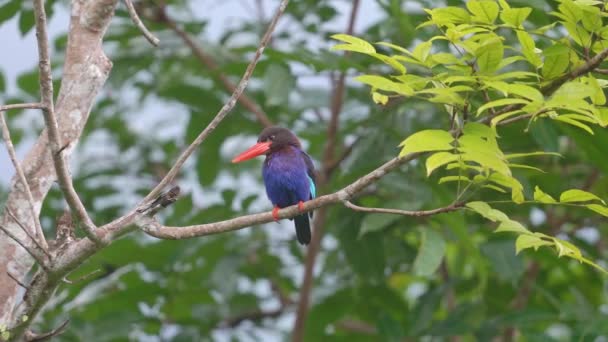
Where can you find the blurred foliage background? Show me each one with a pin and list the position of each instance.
(369, 283)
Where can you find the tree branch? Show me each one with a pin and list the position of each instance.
(139, 24)
(21, 106)
(34, 253)
(224, 111)
(46, 92)
(40, 247)
(152, 227)
(31, 337)
(416, 213)
(6, 135)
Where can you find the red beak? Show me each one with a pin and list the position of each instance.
(254, 151)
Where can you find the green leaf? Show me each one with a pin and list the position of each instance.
(515, 16)
(430, 254)
(453, 179)
(578, 33)
(531, 154)
(525, 241)
(576, 195)
(395, 64)
(380, 99)
(449, 15)
(383, 83)
(26, 21)
(573, 90)
(439, 159)
(483, 11)
(598, 208)
(598, 97)
(9, 9)
(426, 141)
(511, 226)
(353, 44)
(489, 55)
(484, 209)
(556, 60)
(574, 123)
(528, 48)
(542, 197)
(501, 102)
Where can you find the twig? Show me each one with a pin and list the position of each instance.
(32, 337)
(21, 106)
(46, 92)
(10, 275)
(12, 215)
(254, 315)
(345, 153)
(417, 213)
(81, 278)
(33, 252)
(224, 111)
(6, 135)
(212, 65)
(140, 25)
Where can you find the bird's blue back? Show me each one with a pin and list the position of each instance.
(287, 178)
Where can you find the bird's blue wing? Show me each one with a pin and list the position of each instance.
(310, 171)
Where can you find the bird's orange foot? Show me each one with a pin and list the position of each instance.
(301, 206)
(275, 213)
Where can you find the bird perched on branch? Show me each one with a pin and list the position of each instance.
(289, 174)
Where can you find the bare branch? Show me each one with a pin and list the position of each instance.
(21, 106)
(224, 111)
(17, 280)
(6, 135)
(46, 92)
(140, 25)
(31, 337)
(81, 278)
(34, 253)
(26, 231)
(416, 213)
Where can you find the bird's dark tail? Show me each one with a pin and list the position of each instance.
(303, 229)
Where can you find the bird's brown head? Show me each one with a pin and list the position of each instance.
(270, 140)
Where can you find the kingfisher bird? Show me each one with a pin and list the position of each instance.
(288, 172)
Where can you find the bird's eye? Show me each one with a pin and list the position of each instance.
(271, 137)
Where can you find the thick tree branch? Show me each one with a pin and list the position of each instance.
(224, 111)
(139, 24)
(213, 66)
(85, 70)
(46, 92)
(31, 337)
(6, 135)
